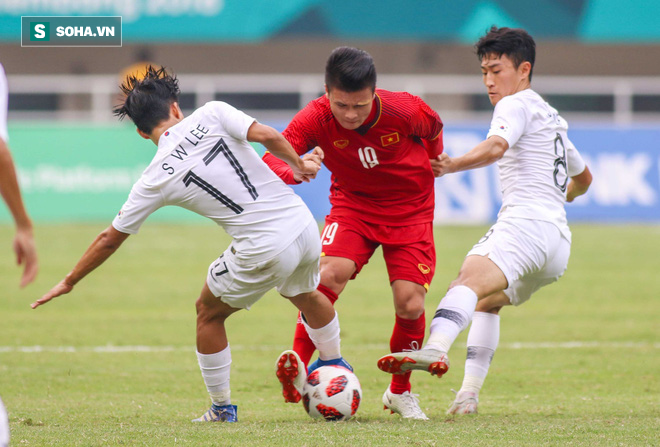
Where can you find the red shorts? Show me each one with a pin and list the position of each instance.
(409, 251)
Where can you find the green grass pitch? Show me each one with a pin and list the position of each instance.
(577, 365)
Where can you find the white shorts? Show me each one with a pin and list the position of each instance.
(293, 271)
(530, 253)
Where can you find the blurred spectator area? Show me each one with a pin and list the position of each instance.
(273, 80)
(596, 59)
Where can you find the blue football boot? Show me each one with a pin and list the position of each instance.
(217, 413)
(334, 362)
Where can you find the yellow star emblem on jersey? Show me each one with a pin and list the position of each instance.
(341, 144)
(388, 139)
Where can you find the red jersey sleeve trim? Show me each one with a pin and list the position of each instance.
(438, 135)
(280, 168)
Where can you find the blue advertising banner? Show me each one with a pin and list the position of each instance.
(626, 187)
(87, 172)
(626, 168)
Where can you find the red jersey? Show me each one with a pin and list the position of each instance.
(381, 170)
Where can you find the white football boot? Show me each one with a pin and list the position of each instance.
(406, 404)
(429, 360)
(465, 403)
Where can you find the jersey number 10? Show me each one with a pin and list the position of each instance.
(368, 157)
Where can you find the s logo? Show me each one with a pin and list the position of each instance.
(39, 31)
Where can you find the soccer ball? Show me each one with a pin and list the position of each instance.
(332, 393)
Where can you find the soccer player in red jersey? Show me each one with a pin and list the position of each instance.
(379, 146)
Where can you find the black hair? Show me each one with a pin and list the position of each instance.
(147, 99)
(515, 43)
(350, 69)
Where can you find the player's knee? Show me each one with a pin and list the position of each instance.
(410, 307)
(334, 280)
(410, 313)
(457, 282)
(207, 313)
(473, 283)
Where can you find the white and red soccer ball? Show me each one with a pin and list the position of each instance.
(332, 393)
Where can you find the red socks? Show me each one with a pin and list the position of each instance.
(407, 335)
(302, 344)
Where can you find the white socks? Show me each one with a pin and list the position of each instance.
(482, 342)
(326, 339)
(453, 316)
(215, 367)
(215, 372)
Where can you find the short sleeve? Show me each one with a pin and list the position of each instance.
(509, 120)
(301, 131)
(574, 161)
(426, 124)
(142, 202)
(4, 95)
(234, 121)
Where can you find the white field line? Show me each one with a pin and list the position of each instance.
(141, 348)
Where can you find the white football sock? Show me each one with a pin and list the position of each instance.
(215, 372)
(452, 316)
(326, 339)
(482, 342)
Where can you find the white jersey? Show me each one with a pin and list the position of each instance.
(205, 164)
(535, 170)
(4, 94)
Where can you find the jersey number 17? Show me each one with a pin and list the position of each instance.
(221, 147)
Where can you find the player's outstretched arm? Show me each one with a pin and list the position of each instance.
(24, 246)
(483, 154)
(278, 146)
(579, 184)
(101, 249)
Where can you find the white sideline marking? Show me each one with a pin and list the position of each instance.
(579, 344)
(141, 348)
(104, 349)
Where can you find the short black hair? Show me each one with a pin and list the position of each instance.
(147, 99)
(515, 43)
(350, 69)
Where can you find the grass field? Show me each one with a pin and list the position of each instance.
(114, 362)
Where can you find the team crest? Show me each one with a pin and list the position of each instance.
(341, 144)
(425, 269)
(388, 139)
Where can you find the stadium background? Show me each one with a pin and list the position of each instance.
(114, 364)
(597, 63)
